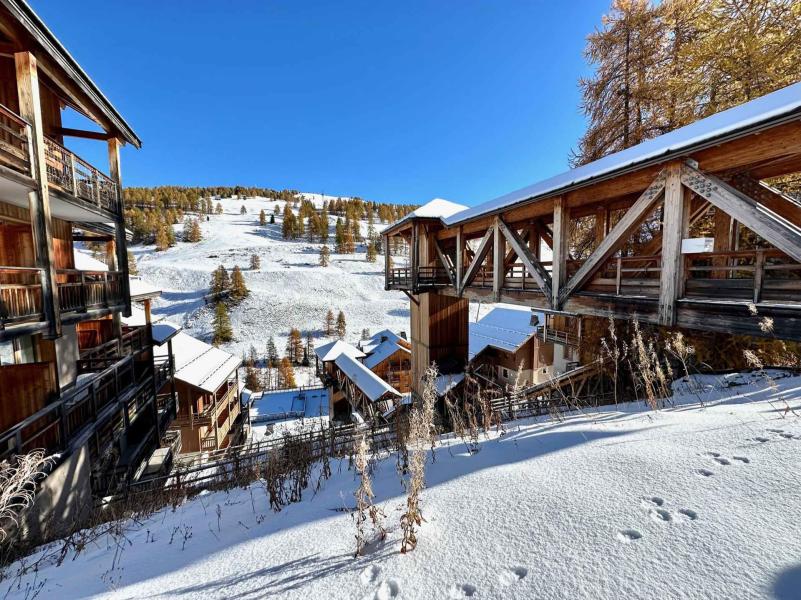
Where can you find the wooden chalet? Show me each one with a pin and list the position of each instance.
(74, 379)
(206, 379)
(388, 355)
(683, 230)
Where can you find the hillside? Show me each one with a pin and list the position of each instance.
(622, 502)
(289, 290)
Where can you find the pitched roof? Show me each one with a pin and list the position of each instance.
(382, 352)
(198, 363)
(141, 289)
(331, 350)
(438, 208)
(370, 384)
(377, 339)
(504, 327)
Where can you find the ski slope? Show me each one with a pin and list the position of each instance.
(698, 500)
(289, 290)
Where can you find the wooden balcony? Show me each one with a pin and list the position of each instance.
(67, 173)
(82, 291)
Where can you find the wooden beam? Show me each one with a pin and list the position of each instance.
(620, 232)
(532, 265)
(784, 206)
(509, 259)
(560, 243)
(498, 259)
(766, 224)
(445, 262)
(82, 133)
(30, 108)
(415, 257)
(480, 255)
(673, 224)
(459, 257)
(115, 173)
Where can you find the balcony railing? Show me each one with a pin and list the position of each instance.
(80, 291)
(75, 176)
(20, 295)
(14, 145)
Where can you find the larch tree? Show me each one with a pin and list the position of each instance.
(218, 210)
(221, 325)
(132, 268)
(328, 327)
(163, 238)
(325, 256)
(220, 282)
(255, 262)
(294, 346)
(286, 374)
(239, 291)
(371, 253)
(262, 217)
(341, 325)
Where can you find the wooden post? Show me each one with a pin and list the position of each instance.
(561, 219)
(601, 224)
(30, 108)
(459, 258)
(673, 232)
(498, 257)
(759, 274)
(386, 262)
(618, 274)
(415, 257)
(723, 232)
(119, 221)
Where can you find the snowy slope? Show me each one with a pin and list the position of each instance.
(289, 290)
(693, 501)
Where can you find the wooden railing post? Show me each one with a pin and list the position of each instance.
(759, 274)
(618, 272)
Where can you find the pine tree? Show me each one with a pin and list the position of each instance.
(252, 379)
(339, 236)
(192, 232)
(239, 290)
(243, 210)
(286, 374)
(218, 209)
(272, 353)
(341, 326)
(262, 217)
(328, 328)
(221, 325)
(255, 262)
(325, 256)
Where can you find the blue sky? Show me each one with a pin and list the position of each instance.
(392, 101)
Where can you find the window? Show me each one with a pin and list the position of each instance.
(504, 372)
(18, 351)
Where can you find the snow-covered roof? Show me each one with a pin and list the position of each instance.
(740, 119)
(141, 289)
(86, 262)
(370, 384)
(504, 327)
(198, 363)
(438, 208)
(445, 383)
(376, 339)
(382, 352)
(332, 350)
(163, 331)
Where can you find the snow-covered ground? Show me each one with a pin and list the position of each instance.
(310, 406)
(698, 500)
(289, 290)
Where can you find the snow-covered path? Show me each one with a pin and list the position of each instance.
(289, 290)
(686, 502)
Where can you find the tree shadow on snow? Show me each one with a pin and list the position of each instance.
(788, 584)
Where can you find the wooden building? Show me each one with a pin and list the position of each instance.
(683, 230)
(388, 355)
(74, 380)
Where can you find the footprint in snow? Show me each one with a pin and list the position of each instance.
(458, 591)
(660, 515)
(370, 575)
(705, 472)
(649, 501)
(689, 514)
(388, 590)
(511, 576)
(712, 454)
(741, 459)
(628, 535)
(721, 461)
(761, 440)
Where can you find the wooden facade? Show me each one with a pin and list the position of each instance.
(631, 259)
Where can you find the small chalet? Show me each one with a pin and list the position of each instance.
(353, 389)
(389, 356)
(509, 337)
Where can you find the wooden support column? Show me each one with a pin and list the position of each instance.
(561, 220)
(30, 108)
(601, 224)
(459, 258)
(534, 240)
(724, 234)
(119, 230)
(415, 257)
(673, 231)
(387, 262)
(498, 260)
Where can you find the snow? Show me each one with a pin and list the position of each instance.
(698, 500)
(142, 289)
(163, 331)
(376, 339)
(382, 352)
(445, 383)
(289, 290)
(769, 107)
(84, 261)
(438, 208)
(370, 384)
(198, 363)
(332, 350)
(503, 327)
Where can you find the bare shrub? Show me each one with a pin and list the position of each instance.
(18, 479)
(420, 426)
(365, 509)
